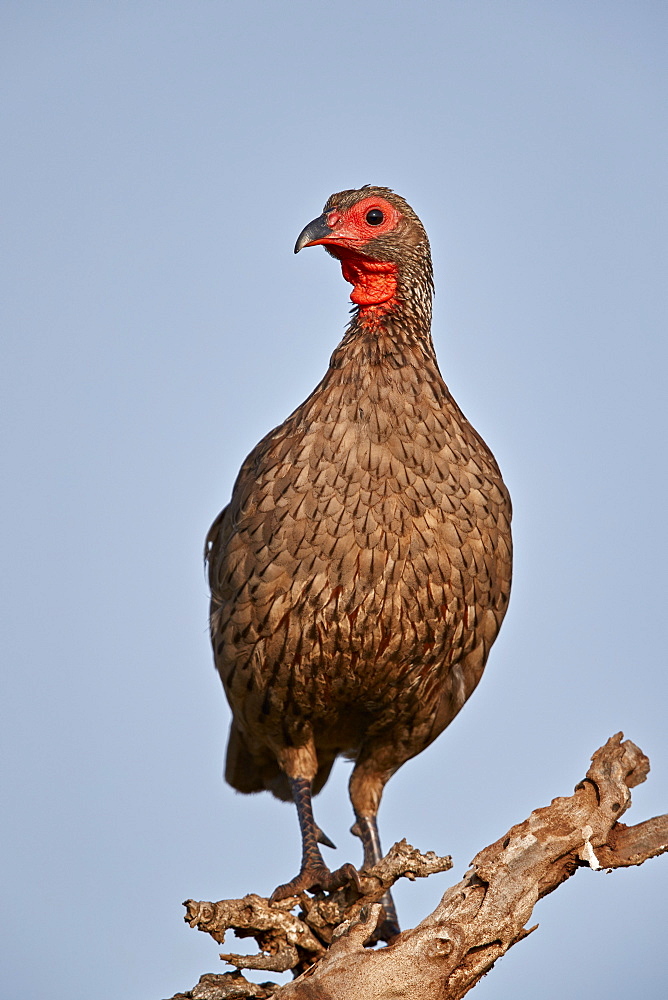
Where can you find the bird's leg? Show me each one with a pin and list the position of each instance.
(366, 828)
(314, 873)
(366, 788)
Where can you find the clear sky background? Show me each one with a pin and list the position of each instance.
(159, 160)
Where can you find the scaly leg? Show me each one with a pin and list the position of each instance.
(366, 788)
(366, 829)
(314, 873)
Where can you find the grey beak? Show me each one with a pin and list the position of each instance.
(315, 230)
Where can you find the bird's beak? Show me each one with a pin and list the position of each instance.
(314, 233)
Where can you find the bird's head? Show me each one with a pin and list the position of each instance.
(379, 240)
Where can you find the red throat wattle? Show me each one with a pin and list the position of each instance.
(374, 281)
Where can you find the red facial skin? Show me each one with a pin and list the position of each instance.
(375, 282)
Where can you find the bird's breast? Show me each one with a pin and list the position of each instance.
(367, 551)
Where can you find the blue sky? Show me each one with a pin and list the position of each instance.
(160, 158)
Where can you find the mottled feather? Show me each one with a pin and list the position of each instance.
(361, 571)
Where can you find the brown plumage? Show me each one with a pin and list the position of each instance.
(361, 571)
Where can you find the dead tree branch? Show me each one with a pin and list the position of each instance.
(475, 923)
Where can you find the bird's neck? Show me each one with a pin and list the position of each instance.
(388, 341)
(391, 325)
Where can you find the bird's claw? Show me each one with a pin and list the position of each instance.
(317, 877)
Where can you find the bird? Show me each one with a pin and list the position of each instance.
(361, 571)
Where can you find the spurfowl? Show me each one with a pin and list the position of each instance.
(361, 571)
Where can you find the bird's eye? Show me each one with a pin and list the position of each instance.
(374, 217)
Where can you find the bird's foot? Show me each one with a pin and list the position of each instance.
(318, 877)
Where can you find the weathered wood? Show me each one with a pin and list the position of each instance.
(295, 942)
(475, 923)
